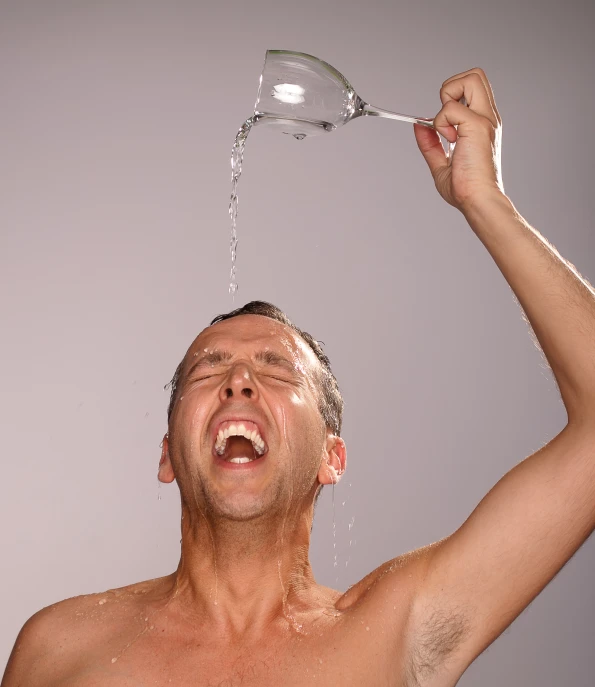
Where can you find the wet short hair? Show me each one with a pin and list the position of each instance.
(330, 401)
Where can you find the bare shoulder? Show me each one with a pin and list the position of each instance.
(56, 636)
(394, 580)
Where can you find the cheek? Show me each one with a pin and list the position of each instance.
(310, 429)
(295, 415)
(191, 411)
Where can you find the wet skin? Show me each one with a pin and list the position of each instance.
(354, 647)
(243, 606)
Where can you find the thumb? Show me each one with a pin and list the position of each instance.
(428, 141)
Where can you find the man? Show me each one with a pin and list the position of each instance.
(254, 432)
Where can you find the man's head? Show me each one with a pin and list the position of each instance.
(254, 365)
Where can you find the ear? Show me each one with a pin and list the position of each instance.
(165, 473)
(334, 460)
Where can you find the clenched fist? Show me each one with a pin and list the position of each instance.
(475, 168)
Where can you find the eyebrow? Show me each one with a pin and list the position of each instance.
(210, 360)
(272, 358)
(266, 357)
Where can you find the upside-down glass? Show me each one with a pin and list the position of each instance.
(304, 96)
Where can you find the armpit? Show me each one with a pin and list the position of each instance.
(433, 642)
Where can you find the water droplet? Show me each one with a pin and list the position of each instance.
(114, 659)
(102, 602)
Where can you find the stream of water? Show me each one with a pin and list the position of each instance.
(237, 158)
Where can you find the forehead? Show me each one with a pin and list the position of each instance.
(245, 334)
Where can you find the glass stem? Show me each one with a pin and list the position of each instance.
(372, 111)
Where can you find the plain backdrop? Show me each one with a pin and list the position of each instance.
(116, 126)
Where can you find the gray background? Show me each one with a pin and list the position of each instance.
(117, 120)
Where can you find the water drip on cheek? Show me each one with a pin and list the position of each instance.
(285, 430)
(193, 424)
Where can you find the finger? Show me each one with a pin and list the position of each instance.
(428, 141)
(478, 95)
(486, 83)
(466, 121)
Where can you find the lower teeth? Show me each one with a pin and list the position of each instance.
(240, 460)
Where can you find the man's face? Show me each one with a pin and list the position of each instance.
(244, 375)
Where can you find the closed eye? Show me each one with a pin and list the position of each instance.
(279, 378)
(201, 379)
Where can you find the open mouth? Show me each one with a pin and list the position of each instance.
(239, 443)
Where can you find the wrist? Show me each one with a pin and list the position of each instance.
(486, 205)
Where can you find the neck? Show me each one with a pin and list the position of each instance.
(245, 574)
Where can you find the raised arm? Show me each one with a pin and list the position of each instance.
(478, 580)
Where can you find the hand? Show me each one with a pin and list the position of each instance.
(475, 168)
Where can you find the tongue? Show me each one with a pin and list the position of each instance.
(238, 447)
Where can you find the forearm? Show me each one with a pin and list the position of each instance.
(558, 302)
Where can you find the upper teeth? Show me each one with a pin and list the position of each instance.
(239, 430)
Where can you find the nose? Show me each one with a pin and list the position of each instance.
(239, 384)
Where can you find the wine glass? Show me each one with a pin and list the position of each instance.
(304, 96)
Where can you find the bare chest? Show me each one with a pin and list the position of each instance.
(349, 655)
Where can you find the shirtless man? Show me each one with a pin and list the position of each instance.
(243, 607)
